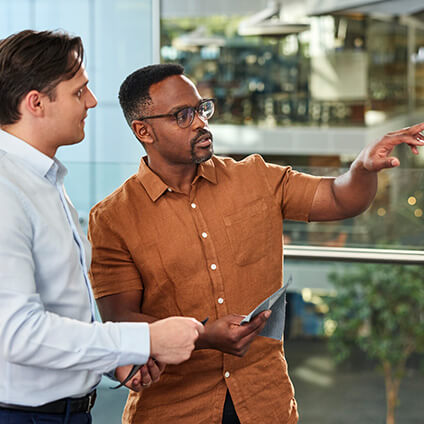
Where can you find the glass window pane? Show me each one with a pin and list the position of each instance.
(367, 314)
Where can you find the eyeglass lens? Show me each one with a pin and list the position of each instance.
(185, 116)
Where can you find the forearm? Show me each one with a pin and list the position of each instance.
(31, 336)
(355, 190)
(345, 196)
(352, 193)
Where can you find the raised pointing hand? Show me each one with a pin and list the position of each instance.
(377, 156)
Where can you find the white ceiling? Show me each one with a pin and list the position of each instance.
(196, 8)
(293, 8)
(388, 7)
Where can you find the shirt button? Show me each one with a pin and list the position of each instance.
(193, 205)
(220, 300)
(213, 267)
(227, 374)
(204, 235)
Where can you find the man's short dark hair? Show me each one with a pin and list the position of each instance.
(134, 94)
(35, 60)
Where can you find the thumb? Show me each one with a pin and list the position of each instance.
(392, 162)
(198, 326)
(266, 314)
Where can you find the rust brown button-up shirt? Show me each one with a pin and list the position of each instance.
(215, 252)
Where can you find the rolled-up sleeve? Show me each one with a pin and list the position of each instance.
(113, 270)
(294, 191)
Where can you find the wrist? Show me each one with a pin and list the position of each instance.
(152, 346)
(358, 166)
(202, 342)
(363, 165)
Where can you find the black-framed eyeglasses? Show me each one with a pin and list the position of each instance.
(185, 116)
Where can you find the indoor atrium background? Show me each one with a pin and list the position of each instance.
(306, 83)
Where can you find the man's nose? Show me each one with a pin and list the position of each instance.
(199, 121)
(91, 100)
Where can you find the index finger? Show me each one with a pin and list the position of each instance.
(412, 130)
(153, 370)
(416, 128)
(160, 365)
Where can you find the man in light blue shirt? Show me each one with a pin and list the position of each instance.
(53, 353)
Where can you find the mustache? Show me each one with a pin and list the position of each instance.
(201, 134)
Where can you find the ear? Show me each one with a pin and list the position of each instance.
(34, 103)
(141, 131)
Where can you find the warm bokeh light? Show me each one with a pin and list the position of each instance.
(329, 327)
(306, 295)
(381, 211)
(412, 200)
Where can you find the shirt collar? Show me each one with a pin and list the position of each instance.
(31, 157)
(57, 172)
(154, 185)
(207, 170)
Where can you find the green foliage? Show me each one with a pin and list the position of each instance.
(380, 309)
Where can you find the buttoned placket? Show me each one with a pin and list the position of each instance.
(213, 265)
(209, 251)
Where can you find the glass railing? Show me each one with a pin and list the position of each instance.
(395, 220)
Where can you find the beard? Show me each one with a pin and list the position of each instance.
(205, 153)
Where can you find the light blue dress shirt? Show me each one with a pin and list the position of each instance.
(50, 347)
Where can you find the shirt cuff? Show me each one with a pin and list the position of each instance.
(135, 343)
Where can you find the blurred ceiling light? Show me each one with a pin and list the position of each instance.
(269, 23)
(198, 38)
(374, 117)
(367, 7)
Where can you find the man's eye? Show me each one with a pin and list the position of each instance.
(79, 92)
(183, 115)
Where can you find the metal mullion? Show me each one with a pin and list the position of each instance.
(354, 254)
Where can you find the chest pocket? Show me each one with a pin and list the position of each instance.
(248, 232)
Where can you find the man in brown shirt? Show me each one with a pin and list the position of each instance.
(194, 234)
